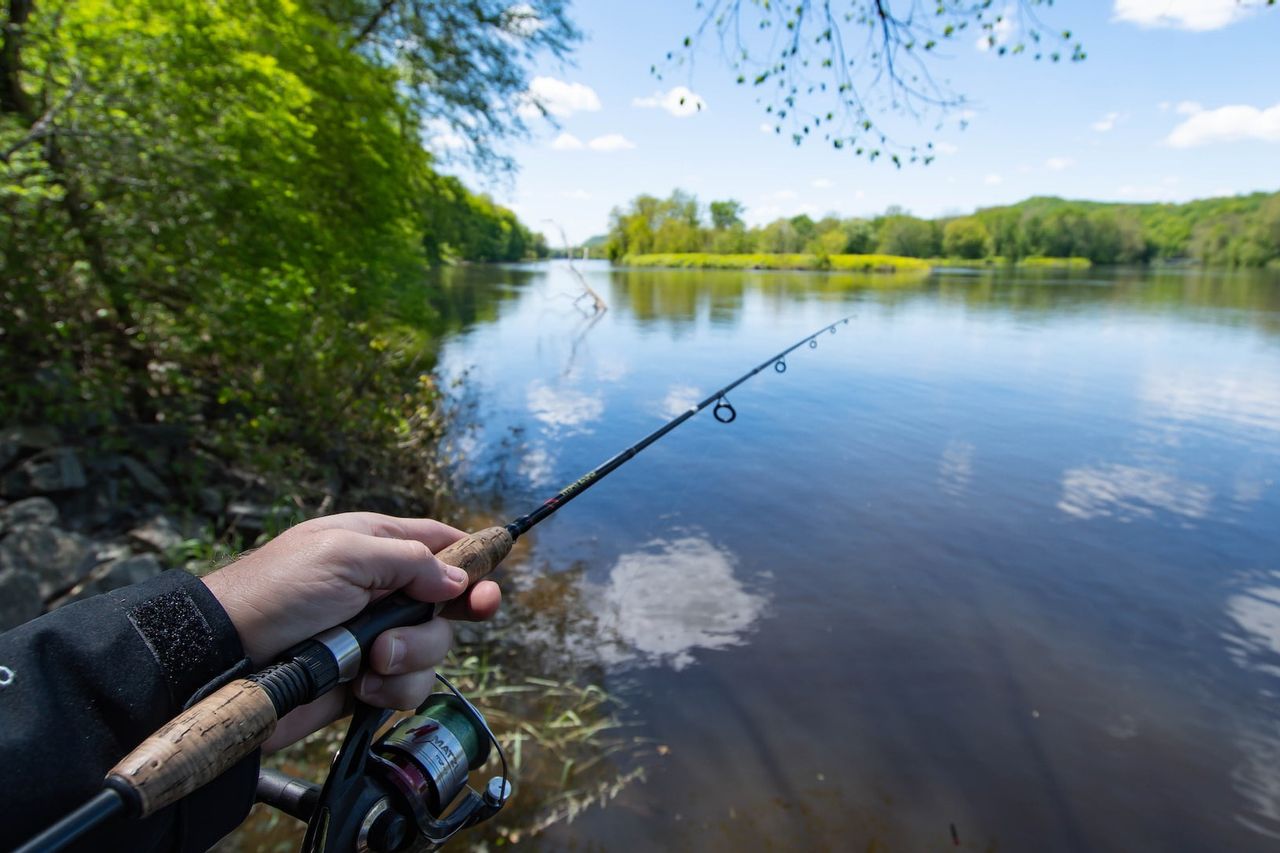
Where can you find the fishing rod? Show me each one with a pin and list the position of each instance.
(387, 795)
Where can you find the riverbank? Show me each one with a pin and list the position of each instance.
(772, 261)
(879, 264)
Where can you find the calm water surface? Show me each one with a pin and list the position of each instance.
(1003, 554)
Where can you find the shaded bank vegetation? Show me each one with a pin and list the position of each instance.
(1239, 231)
(220, 217)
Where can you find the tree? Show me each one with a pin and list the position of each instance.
(651, 224)
(463, 63)
(966, 237)
(221, 217)
(726, 214)
(901, 234)
(838, 70)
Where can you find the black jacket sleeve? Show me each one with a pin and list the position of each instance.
(82, 686)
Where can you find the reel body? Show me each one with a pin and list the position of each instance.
(394, 794)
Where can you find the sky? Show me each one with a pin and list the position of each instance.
(1178, 99)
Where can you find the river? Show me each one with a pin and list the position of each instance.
(995, 566)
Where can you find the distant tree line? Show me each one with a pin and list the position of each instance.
(1238, 231)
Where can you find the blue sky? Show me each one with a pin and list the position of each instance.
(1178, 99)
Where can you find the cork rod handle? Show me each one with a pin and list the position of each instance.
(195, 747)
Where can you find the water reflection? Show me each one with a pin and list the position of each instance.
(671, 598)
(680, 398)
(563, 408)
(1254, 643)
(678, 298)
(1128, 492)
(1251, 401)
(1056, 686)
(955, 468)
(659, 605)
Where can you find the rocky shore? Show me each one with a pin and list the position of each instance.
(81, 517)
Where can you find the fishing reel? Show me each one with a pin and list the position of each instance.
(394, 794)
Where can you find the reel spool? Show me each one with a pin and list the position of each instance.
(395, 794)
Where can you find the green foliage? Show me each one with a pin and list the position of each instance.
(766, 261)
(966, 238)
(841, 72)
(1055, 263)
(220, 216)
(1238, 231)
(901, 234)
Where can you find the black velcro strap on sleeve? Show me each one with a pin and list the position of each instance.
(176, 632)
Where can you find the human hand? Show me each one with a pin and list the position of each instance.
(326, 570)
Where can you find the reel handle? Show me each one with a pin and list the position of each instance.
(209, 738)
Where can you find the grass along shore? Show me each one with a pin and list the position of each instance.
(837, 263)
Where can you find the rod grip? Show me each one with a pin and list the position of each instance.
(195, 747)
(477, 554)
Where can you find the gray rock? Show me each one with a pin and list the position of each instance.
(211, 501)
(161, 534)
(50, 471)
(30, 511)
(20, 599)
(108, 552)
(143, 476)
(257, 518)
(55, 557)
(113, 575)
(131, 570)
(17, 439)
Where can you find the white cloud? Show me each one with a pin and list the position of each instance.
(610, 142)
(578, 195)
(1188, 108)
(766, 127)
(945, 148)
(1057, 164)
(992, 180)
(1227, 124)
(566, 142)
(557, 97)
(1107, 122)
(1198, 15)
(821, 184)
(679, 101)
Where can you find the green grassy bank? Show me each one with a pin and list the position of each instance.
(772, 261)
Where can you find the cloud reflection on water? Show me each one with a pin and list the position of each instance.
(680, 399)
(955, 468)
(656, 607)
(1126, 492)
(1254, 644)
(563, 407)
(1252, 402)
(659, 617)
